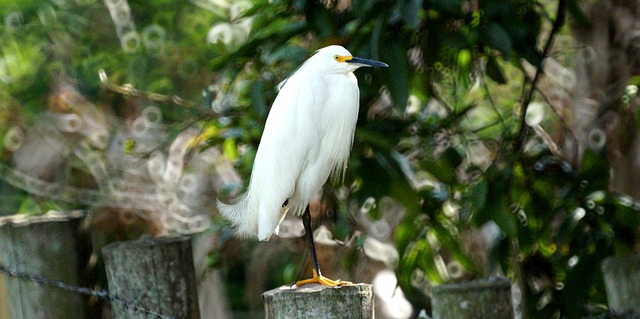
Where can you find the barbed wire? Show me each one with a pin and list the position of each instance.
(98, 293)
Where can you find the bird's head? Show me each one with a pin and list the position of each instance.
(335, 58)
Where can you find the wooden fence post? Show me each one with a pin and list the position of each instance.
(4, 303)
(317, 301)
(154, 273)
(50, 246)
(622, 282)
(485, 298)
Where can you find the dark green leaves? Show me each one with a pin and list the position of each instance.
(397, 74)
(498, 38)
(494, 71)
(444, 167)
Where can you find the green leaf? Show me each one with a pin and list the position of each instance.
(533, 56)
(595, 170)
(229, 149)
(447, 6)
(383, 176)
(452, 244)
(498, 38)
(497, 206)
(411, 13)
(30, 207)
(464, 58)
(477, 195)
(634, 80)
(497, 209)
(584, 279)
(258, 101)
(319, 19)
(251, 47)
(397, 74)
(494, 71)
(444, 167)
(214, 259)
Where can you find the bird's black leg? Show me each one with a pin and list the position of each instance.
(317, 276)
(306, 221)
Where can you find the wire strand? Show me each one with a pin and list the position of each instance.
(98, 293)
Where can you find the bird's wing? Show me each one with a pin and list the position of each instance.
(290, 138)
(340, 117)
(299, 68)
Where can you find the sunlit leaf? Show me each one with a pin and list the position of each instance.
(229, 149)
(464, 58)
(30, 207)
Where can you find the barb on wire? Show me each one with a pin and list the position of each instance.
(129, 90)
(98, 293)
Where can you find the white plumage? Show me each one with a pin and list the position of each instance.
(307, 137)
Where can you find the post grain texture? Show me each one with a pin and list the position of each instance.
(485, 298)
(317, 301)
(622, 282)
(155, 273)
(49, 246)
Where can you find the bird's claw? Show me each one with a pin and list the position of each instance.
(319, 279)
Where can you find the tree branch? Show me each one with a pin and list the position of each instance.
(557, 24)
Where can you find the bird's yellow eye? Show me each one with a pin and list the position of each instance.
(342, 58)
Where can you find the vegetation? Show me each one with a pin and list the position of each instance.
(464, 131)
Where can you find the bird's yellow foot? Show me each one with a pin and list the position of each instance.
(323, 281)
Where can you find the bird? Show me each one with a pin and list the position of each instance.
(307, 138)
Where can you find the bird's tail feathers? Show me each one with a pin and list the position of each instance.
(238, 213)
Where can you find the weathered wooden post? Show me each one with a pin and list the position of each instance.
(154, 273)
(485, 298)
(4, 303)
(50, 246)
(317, 301)
(622, 282)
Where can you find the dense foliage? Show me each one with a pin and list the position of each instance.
(451, 131)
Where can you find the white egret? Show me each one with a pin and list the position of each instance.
(307, 138)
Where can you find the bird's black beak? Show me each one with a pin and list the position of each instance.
(367, 62)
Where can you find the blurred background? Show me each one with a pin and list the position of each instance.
(502, 140)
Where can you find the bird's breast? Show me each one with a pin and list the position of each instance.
(339, 117)
(343, 95)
